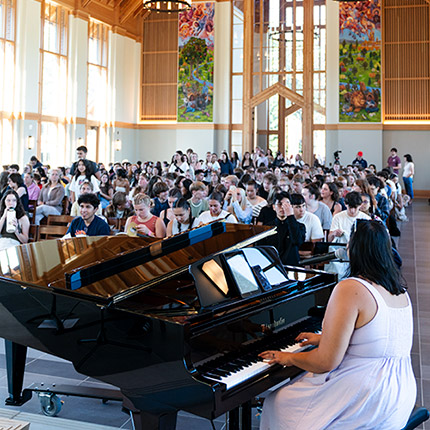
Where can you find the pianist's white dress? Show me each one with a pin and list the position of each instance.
(373, 388)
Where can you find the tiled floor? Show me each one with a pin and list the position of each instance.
(414, 246)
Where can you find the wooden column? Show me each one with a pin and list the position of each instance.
(308, 87)
(248, 31)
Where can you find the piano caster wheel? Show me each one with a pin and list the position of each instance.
(50, 404)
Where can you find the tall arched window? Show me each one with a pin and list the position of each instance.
(53, 94)
(7, 76)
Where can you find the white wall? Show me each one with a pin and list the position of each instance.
(352, 141)
(222, 64)
(332, 76)
(416, 143)
(125, 77)
(27, 56)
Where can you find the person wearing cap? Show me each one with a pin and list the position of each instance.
(360, 160)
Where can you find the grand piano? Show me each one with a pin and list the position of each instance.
(175, 324)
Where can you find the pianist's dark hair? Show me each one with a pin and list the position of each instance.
(371, 256)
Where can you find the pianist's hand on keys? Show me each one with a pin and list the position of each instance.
(272, 357)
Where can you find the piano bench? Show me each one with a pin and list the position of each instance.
(418, 416)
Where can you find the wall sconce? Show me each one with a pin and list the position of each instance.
(118, 145)
(79, 142)
(30, 143)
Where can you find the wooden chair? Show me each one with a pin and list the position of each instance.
(32, 205)
(113, 222)
(65, 204)
(59, 220)
(306, 249)
(51, 232)
(32, 233)
(121, 224)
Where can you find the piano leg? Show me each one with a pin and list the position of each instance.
(15, 365)
(240, 418)
(145, 421)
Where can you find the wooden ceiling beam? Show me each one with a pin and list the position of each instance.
(128, 11)
(85, 3)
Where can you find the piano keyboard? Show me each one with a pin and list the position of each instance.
(248, 371)
(233, 371)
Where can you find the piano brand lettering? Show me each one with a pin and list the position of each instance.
(275, 324)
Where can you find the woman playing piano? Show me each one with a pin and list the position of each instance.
(360, 375)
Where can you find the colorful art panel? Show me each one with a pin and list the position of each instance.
(360, 61)
(196, 63)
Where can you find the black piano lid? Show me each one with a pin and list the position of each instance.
(109, 269)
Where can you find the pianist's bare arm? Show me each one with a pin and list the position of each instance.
(350, 306)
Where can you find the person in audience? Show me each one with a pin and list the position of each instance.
(215, 212)
(20, 224)
(88, 223)
(167, 215)
(311, 193)
(408, 176)
(199, 176)
(359, 160)
(85, 188)
(144, 223)
(185, 188)
(237, 205)
(394, 162)
(290, 234)
(121, 183)
(297, 183)
(247, 161)
(382, 205)
(83, 173)
(13, 168)
(106, 190)
(118, 207)
(3, 182)
(270, 181)
(34, 162)
(16, 183)
(160, 203)
(197, 201)
(183, 219)
(51, 197)
(92, 167)
(225, 164)
(330, 197)
(342, 223)
(141, 186)
(255, 201)
(215, 180)
(360, 373)
(32, 189)
(314, 231)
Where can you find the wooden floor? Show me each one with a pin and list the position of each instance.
(414, 247)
